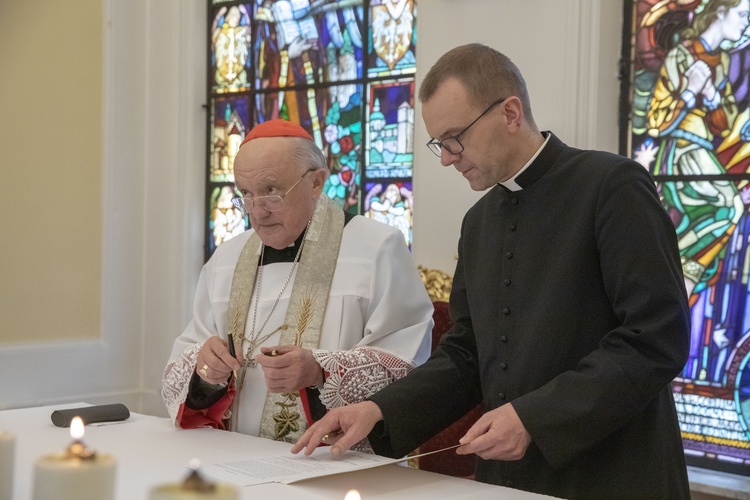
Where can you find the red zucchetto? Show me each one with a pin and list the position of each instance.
(276, 128)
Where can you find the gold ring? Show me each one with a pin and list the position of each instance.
(203, 372)
(274, 352)
(325, 438)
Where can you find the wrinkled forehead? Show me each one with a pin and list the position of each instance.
(273, 154)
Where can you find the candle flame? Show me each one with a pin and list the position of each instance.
(76, 428)
(352, 495)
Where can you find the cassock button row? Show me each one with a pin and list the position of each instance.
(507, 282)
(501, 396)
(512, 227)
(509, 255)
(509, 483)
(503, 339)
(503, 366)
(506, 311)
(514, 201)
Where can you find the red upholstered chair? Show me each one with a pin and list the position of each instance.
(448, 462)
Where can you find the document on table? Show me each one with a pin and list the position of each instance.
(288, 469)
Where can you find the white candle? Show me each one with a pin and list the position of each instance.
(7, 451)
(194, 487)
(77, 473)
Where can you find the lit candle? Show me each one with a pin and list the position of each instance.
(194, 487)
(76, 473)
(7, 450)
(352, 495)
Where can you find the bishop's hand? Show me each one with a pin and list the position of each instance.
(214, 364)
(289, 368)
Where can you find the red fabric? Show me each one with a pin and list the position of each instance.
(213, 416)
(306, 406)
(276, 128)
(448, 462)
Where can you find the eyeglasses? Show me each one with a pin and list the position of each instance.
(270, 203)
(452, 144)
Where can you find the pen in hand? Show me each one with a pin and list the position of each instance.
(230, 343)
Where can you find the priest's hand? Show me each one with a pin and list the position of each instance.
(214, 364)
(498, 435)
(289, 368)
(341, 427)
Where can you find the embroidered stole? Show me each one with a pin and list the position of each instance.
(283, 415)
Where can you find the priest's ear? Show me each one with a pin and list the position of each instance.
(319, 177)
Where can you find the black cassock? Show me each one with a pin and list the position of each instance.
(569, 302)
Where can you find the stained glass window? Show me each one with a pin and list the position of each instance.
(686, 119)
(343, 70)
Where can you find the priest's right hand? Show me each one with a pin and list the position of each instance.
(214, 364)
(342, 428)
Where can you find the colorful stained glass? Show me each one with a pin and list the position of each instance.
(393, 38)
(230, 48)
(306, 61)
(390, 127)
(391, 203)
(304, 106)
(713, 392)
(229, 125)
(225, 221)
(689, 126)
(299, 43)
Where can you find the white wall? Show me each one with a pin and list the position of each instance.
(154, 140)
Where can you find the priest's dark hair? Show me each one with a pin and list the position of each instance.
(487, 74)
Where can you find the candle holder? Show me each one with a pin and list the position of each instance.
(194, 487)
(78, 472)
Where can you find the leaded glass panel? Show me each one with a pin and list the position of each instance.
(390, 126)
(230, 48)
(393, 38)
(687, 120)
(391, 203)
(230, 123)
(332, 67)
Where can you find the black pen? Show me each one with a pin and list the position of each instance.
(231, 350)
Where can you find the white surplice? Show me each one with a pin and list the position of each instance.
(377, 324)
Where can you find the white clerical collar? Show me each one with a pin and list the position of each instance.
(511, 183)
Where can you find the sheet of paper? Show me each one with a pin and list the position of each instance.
(288, 469)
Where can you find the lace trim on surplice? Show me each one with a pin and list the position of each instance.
(176, 380)
(354, 375)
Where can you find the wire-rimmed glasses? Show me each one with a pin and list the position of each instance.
(270, 203)
(452, 144)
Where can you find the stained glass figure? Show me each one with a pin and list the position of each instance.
(392, 204)
(689, 127)
(230, 48)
